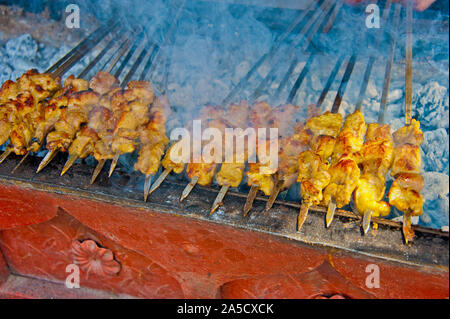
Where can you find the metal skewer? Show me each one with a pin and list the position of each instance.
(318, 17)
(70, 161)
(276, 191)
(5, 154)
(407, 230)
(159, 180)
(21, 161)
(189, 188)
(330, 212)
(384, 97)
(408, 75)
(269, 54)
(47, 159)
(372, 59)
(366, 221)
(250, 199)
(96, 35)
(218, 201)
(304, 209)
(147, 184)
(302, 215)
(81, 52)
(114, 163)
(97, 170)
(337, 103)
(149, 188)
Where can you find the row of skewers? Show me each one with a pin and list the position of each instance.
(83, 118)
(334, 162)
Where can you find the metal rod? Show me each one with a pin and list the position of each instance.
(286, 78)
(330, 80)
(136, 64)
(330, 212)
(116, 54)
(366, 221)
(388, 70)
(295, 61)
(271, 75)
(159, 180)
(408, 232)
(189, 187)
(409, 68)
(81, 52)
(372, 58)
(302, 215)
(97, 58)
(269, 54)
(129, 55)
(333, 16)
(316, 27)
(83, 43)
(344, 82)
(300, 79)
(97, 170)
(250, 199)
(219, 199)
(149, 62)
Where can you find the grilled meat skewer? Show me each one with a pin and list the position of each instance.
(23, 108)
(173, 159)
(231, 173)
(313, 164)
(344, 168)
(404, 193)
(72, 119)
(153, 141)
(376, 159)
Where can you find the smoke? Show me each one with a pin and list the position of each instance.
(215, 44)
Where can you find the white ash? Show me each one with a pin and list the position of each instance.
(436, 195)
(431, 105)
(436, 151)
(22, 53)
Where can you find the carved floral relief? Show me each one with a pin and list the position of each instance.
(94, 259)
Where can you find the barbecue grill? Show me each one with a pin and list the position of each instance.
(164, 248)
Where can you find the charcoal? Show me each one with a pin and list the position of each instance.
(436, 151)
(431, 105)
(24, 46)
